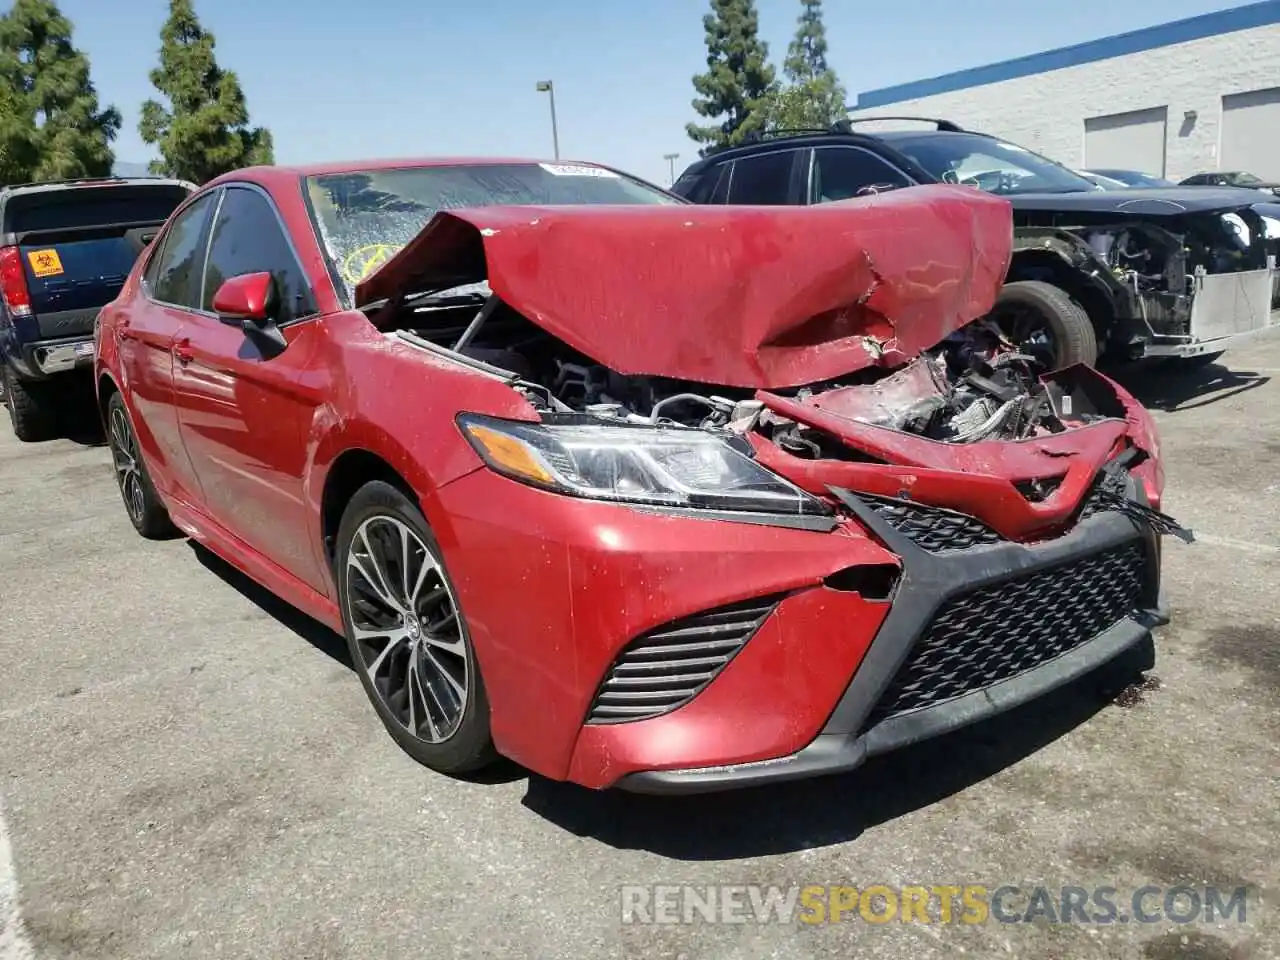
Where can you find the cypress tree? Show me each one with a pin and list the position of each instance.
(739, 77)
(204, 131)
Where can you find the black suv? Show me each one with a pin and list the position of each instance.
(65, 250)
(1178, 272)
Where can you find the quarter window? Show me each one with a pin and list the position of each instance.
(840, 173)
(174, 275)
(247, 238)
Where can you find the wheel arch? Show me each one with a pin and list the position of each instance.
(1087, 289)
(348, 472)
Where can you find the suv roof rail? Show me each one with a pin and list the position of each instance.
(944, 125)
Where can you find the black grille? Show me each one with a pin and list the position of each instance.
(1108, 486)
(935, 529)
(667, 667)
(997, 632)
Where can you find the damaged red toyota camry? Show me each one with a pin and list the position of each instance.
(636, 493)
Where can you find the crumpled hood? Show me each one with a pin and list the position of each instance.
(764, 297)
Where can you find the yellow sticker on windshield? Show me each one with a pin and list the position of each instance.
(45, 263)
(360, 263)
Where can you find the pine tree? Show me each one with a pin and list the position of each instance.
(739, 77)
(51, 126)
(813, 95)
(204, 131)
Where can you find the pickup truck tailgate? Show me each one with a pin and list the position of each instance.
(78, 246)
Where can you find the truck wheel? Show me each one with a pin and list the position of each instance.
(1040, 317)
(30, 410)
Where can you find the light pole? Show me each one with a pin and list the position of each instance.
(545, 86)
(671, 165)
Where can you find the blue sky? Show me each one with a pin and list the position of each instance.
(409, 77)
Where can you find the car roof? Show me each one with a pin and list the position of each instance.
(806, 138)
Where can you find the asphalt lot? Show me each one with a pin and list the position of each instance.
(187, 768)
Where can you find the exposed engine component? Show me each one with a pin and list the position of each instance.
(974, 386)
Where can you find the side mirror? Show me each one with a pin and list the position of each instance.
(252, 300)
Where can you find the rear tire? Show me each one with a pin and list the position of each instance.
(30, 409)
(1026, 308)
(141, 502)
(407, 637)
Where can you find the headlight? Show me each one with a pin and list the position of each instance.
(642, 465)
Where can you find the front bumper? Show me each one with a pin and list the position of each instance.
(860, 727)
(556, 601)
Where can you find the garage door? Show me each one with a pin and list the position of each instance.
(1127, 141)
(1251, 133)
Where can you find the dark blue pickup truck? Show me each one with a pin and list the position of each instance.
(65, 250)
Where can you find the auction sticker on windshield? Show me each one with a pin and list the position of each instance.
(577, 170)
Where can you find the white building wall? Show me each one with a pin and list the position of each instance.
(1046, 112)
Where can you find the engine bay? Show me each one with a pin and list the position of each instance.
(974, 386)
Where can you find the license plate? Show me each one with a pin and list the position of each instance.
(84, 349)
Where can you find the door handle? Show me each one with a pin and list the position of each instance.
(124, 332)
(183, 353)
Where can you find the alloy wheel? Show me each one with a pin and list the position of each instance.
(406, 627)
(124, 454)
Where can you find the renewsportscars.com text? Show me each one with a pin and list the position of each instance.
(945, 903)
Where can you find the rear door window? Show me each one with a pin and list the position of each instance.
(764, 179)
(179, 267)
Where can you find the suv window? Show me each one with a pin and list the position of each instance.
(174, 274)
(840, 173)
(763, 179)
(247, 238)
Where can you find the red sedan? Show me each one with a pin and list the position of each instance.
(636, 493)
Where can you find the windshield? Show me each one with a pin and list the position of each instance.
(1135, 179)
(363, 217)
(995, 166)
(1243, 178)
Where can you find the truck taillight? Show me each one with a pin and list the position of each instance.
(13, 283)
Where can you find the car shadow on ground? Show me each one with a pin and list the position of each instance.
(323, 639)
(1169, 387)
(787, 817)
(312, 631)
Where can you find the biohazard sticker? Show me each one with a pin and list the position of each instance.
(45, 263)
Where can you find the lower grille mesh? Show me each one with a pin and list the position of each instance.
(1000, 631)
(935, 529)
(667, 667)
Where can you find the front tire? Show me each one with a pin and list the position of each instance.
(141, 502)
(1035, 312)
(406, 634)
(30, 409)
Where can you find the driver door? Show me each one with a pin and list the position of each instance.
(245, 415)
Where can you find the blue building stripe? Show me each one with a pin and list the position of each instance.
(1180, 31)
